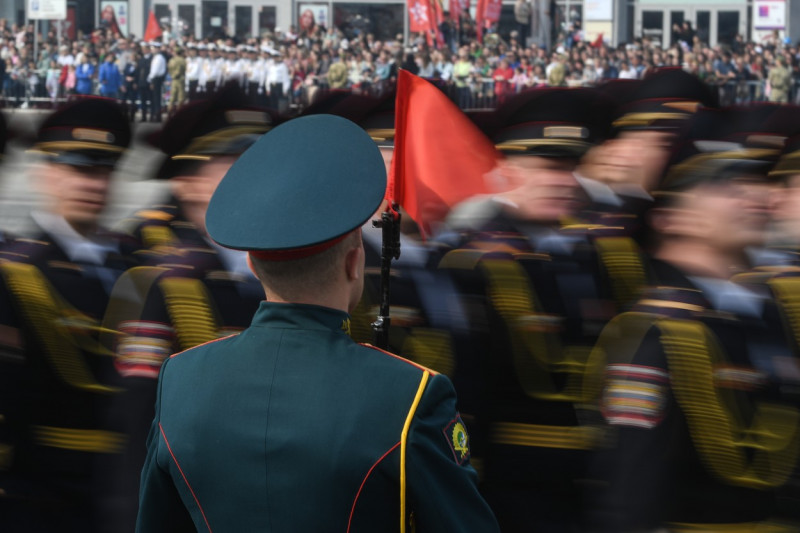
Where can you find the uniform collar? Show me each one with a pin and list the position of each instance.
(78, 248)
(300, 316)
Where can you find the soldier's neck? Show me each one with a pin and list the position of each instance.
(699, 259)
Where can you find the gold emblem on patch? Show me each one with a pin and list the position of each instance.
(460, 440)
(86, 134)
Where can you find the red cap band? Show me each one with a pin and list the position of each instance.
(296, 253)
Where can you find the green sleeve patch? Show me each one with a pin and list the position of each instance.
(456, 435)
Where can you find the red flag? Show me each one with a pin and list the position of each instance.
(153, 30)
(420, 18)
(492, 11)
(438, 19)
(455, 10)
(597, 43)
(440, 157)
(480, 16)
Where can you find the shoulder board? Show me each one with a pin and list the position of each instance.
(154, 214)
(412, 363)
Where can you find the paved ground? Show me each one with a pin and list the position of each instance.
(132, 187)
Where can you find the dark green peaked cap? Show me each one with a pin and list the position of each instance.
(307, 182)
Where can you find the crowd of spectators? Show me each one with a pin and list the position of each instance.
(475, 74)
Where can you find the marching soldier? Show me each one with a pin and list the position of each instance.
(57, 378)
(312, 273)
(198, 291)
(703, 422)
(538, 304)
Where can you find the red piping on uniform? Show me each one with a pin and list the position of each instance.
(207, 342)
(358, 494)
(412, 363)
(184, 477)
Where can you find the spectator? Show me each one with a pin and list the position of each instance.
(109, 78)
(84, 75)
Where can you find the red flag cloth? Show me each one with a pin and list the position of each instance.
(492, 11)
(455, 11)
(440, 157)
(438, 19)
(597, 43)
(153, 30)
(480, 16)
(420, 18)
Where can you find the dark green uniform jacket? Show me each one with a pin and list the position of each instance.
(292, 426)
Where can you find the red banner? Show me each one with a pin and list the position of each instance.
(420, 16)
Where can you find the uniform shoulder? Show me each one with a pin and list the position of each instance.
(394, 359)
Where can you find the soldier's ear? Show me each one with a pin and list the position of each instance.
(354, 261)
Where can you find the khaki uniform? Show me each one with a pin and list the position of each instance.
(177, 71)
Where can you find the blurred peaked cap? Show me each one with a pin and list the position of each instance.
(765, 125)
(709, 154)
(308, 182)
(553, 122)
(220, 125)
(89, 131)
(664, 100)
(789, 160)
(374, 115)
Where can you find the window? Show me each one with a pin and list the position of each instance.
(186, 20)
(266, 19)
(244, 21)
(385, 21)
(727, 26)
(215, 19)
(653, 26)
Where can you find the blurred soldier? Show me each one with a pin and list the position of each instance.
(199, 292)
(293, 356)
(780, 81)
(155, 78)
(194, 65)
(177, 71)
(216, 68)
(703, 426)
(202, 77)
(544, 304)
(232, 71)
(258, 73)
(57, 379)
(277, 80)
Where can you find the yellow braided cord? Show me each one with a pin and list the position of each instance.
(403, 447)
(432, 348)
(719, 432)
(189, 308)
(621, 259)
(44, 313)
(787, 293)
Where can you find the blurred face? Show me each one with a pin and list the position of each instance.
(634, 158)
(728, 216)
(545, 189)
(79, 194)
(195, 190)
(786, 202)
